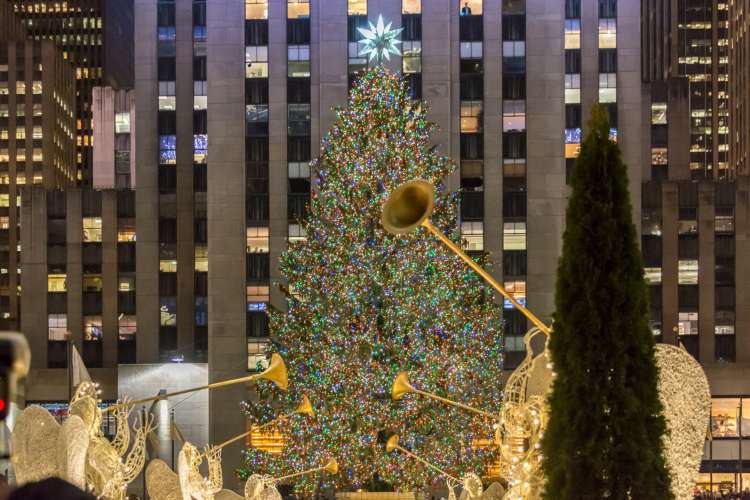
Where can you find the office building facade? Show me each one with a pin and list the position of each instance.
(96, 36)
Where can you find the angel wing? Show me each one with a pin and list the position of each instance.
(183, 473)
(258, 487)
(227, 495)
(34, 441)
(162, 482)
(72, 447)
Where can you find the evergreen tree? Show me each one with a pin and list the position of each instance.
(366, 304)
(604, 437)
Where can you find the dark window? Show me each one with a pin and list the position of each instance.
(199, 13)
(607, 8)
(165, 14)
(659, 136)
(200, 121)
(514, 87)
(167, 339)
(91, 257)
(91, 201)
(57, 303)
(572, 61)
(725, 348)
(200, 178)
(167, 123)
(56, 204)
(472, 88)
(258, 267)
(470, 28)
(354, 22)
(126, 302)
(201, 284)
(572, 9)
(126, 257)
(298, 149)
(414, 81)
(468, 67)
(607, 61)
(472, 205)
(126, 203)
(167, 69)
(167, 178)
(257, 207)
(472, 146)
(200, 68)
(687, 296)
(572, 116)
(256, 32)
(514, 28)
(297, 90)
(412, 24)
(514, 263)
(298, 206)
(167, 230)
(514, 204)
(167, 284)
(92, 303)
(514, 145)
(257, 324)
(651, 248)
(126, 351)
(724, 297)
(201, 231)
(298, 31)
(514, 65)
(92, 353)
(256, 91)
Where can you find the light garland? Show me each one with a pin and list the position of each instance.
(368, 305)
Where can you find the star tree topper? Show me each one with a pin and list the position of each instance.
(380, 40)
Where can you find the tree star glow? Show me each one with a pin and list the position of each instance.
(380, 40)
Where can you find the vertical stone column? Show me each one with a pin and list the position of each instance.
(589, 57)
(332, 61)
(493, 133)
(147, 194)
(278, 172)
(74, 237)
(742, 268)
(545, 167)
(34, 276)
(110, 324)
(227, 351)
(184, 191)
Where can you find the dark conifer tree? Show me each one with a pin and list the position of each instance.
(604, 438)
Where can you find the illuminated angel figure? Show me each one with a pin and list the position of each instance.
(258, 487)
(164, 484)
(194, 486)
(108, 470)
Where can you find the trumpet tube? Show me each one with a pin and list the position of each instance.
(332, 467)
(393, 445)
(276, 373)
(457, 404)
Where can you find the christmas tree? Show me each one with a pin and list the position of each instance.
(605, 429)
(365, 305)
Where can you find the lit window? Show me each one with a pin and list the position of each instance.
(168, 311)
(200, 148)
(127, 327)
(167, 266)
(57, 283)
(514, 115)
(299, 170)
(4, 222)
(92, 282)
(687, 226)
(470, 50)
(514, 49)
(471, 116)
(470, 7)
(201, 259)
(167, 149)
(687, 323)
(517, 290)
(167, 88)
(412, 57)
(473, 235)
(256, 9)
(4, 88)
(126, 284)
(296, 233)
(36, 87)
(21, 109)
(167, 103)
(411, 6)
(122, 123)
(298, 61)
(36, 154)
(687, 272)
(37, 133)
(257, 294)
(659, 113)
(256, 61)
(725, 414)
(92, 229)
(658, 156)
(572, 88)
(200, 88)
(608, 33)
(257, 240)
(3, 110)
(126, 230)
(514, 236)
(200, 102)
(92, 328)
(20, 87)
(57, 327)
(724, 223)
(20, 134)
(357, 60)
(36, 109)
(298, 9)
(607, 87)
(572, 33)
(356, 7)
(652, 275)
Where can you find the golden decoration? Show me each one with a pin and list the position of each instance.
(192, 483)
(686, 398)
(161, 481)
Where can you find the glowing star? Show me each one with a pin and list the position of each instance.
(380, 40)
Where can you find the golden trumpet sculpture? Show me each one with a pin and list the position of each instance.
(276, 373)
(332, 467)
(410, 206)
(401, 387)
(392, 444)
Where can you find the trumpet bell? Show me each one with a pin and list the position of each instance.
(408, 207)
(332, 467)
(401, 386)
(392, 443)
(276, 372)
(305, 407)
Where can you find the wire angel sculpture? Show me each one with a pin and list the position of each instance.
(109, 466)
(192, 483)
(163, 483)
(260, 487)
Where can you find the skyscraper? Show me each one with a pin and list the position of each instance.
(96, 36)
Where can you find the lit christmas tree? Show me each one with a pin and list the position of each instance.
(366, 305)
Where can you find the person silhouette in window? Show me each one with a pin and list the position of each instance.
(466, 10)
